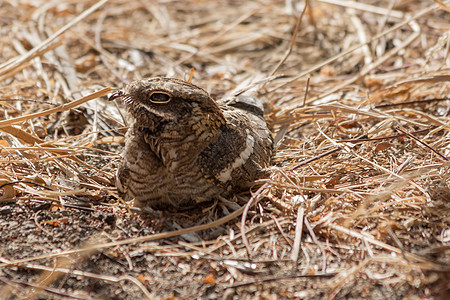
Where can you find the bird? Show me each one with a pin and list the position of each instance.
(184, 148)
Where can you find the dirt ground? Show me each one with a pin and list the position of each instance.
(356, 203)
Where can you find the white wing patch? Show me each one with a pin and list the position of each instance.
(225, 174)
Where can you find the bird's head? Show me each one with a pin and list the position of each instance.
(160, 102)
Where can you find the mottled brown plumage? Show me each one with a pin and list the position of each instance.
(184, 148)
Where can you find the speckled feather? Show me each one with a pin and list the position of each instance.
(184, 148)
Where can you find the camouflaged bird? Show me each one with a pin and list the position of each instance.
(184, 148)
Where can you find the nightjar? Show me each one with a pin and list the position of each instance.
(184, 147)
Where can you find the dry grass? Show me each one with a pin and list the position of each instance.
(358, 200)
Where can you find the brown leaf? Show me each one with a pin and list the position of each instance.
(7, 191)
(382, 146)
(209, 279)
(4, 143)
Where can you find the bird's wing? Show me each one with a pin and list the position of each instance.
(244, 146)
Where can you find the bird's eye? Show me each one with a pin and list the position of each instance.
(160, 97)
